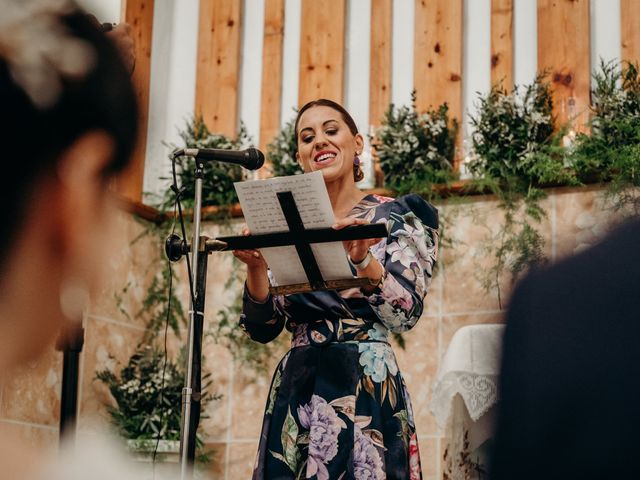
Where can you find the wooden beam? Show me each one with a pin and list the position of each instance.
(139, 15)
(218, 67)
(502, 43)
(630, 30)
(271, 71)
(437, 71)
(322, 50)
(564, 51)
(438, 55)
(380, 68)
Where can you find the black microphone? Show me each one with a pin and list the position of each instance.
(251, 158)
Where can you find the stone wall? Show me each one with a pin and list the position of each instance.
(29, 399)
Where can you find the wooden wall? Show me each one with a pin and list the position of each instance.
(564, 48)
(139, 15)
(564, 51)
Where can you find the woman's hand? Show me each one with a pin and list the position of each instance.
(356, 249)
(257, 278)
(252, 258)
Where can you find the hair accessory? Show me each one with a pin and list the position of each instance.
(39, 50)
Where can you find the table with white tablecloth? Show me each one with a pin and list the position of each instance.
(464, 396)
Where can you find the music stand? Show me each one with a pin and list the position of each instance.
(297, 236)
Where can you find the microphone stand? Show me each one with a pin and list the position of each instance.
(297, 236)
(191, 416)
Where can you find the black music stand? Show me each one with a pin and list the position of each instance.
(298, 236)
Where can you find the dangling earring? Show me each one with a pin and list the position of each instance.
(358, 174)
(74, 298)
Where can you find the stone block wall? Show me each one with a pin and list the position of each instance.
(29, 398)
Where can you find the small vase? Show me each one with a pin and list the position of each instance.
(167, 458)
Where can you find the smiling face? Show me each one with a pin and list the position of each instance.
(326, 143)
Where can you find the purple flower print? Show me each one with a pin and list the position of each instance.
(324, 426)
(367, 464)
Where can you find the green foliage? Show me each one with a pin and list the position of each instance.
(218, 177)
(612, 151)
(144, 409)
(416, 150)
(516, 152)
(281, 152)
(157, 308)
(514, 140)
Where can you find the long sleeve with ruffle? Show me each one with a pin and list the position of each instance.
(408, 256)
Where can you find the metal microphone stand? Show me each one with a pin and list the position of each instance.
(191, 391)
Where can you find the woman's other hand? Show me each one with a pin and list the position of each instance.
(356, 249)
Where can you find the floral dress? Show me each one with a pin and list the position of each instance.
(338, 407)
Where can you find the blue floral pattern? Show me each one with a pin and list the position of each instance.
(338, 407)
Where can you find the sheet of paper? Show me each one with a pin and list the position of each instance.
(263, 214)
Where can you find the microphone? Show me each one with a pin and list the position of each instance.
(251, 158)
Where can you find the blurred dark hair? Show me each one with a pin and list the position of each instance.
(32, 139)
(358, 174)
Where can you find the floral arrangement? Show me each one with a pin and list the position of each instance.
(148, 396)
(516, 150)
(514, 139)
(415, 150)
(218, 177)
(281, 152)
(612, 151)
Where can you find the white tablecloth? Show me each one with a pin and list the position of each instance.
(470, 367)
(464, 392)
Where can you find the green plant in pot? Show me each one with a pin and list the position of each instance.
(416, 150)
(516, 151)
(146, 392)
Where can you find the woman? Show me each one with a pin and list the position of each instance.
(338, 407)
(68, 126)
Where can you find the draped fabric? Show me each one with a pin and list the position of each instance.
(338, 407)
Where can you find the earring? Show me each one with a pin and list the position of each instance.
(356, 161)
(74, 298)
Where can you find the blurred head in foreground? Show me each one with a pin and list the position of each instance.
(570, 378)
(68, 125)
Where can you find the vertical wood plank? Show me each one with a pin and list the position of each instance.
(218, 69)
(322, 50)
(502, 43)
(139, 15)
(630, 30)
(271, 71)
(437, 71)
(564, 51)
(380, 66)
